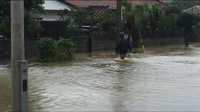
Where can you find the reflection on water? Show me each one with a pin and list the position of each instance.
(4, 89)
(164, 79)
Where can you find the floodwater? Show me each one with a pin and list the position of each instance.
(161, 79)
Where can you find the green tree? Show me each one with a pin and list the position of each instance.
(136, 22)
(31, 6)
(188, 22)
(106, 21)
(183, 4)
(4, 17)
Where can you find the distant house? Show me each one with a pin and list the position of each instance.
(55, 12)
(111, 4)
(195, 10)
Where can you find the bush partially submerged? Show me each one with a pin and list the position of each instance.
(55, 50)
(64, 49)
(46, 50)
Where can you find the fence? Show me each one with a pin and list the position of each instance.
(101, 41)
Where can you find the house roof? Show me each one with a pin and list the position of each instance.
(55, 5)
(110, 3)
(195, 10)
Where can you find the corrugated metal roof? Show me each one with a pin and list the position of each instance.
(55, 5)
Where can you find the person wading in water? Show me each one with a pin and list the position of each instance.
(124, 44)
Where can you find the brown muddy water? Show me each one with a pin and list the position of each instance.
(161, 79)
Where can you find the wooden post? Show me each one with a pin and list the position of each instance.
(119, 15)
(119, 22)
(90, 43)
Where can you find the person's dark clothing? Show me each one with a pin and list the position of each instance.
(124, 45)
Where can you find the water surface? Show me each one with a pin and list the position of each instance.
(161, 79)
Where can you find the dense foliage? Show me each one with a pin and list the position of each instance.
(55, 50)
(30, 25)
(183, 4)
(189, 24)
(4, 17)
(64, 49)
(152, 20)
(47, 50)
(105, 20)
(156, 21)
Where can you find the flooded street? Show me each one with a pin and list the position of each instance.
(165, 79)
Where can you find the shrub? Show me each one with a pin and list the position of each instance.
(47, 50)
(186, 20)
(55, 50)
(64, 49)
(71, 28)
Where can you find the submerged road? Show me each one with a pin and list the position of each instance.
(161, 79)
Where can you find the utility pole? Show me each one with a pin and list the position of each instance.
(18, 63)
